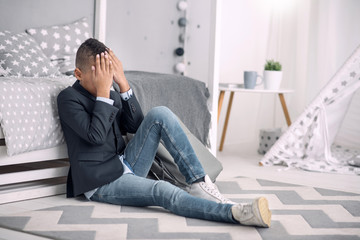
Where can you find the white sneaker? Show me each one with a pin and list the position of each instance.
(255, 214)
(208, 190)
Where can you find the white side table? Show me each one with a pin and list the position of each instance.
(232, 88)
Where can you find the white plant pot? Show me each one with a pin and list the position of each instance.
(272, 80)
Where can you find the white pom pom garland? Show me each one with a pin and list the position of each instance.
(180, 67)
(182, 5)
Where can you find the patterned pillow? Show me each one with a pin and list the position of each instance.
(2, 72)
(20, 56)
(60, 42)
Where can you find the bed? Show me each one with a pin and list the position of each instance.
(32, 175)
(35, 65)
(39, 171)
(33, 162)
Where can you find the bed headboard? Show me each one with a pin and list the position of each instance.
(18, 15)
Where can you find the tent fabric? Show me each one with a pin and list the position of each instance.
(327, 134)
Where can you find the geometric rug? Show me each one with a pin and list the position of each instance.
(298, 213)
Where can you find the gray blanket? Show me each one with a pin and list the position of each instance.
(186, 97)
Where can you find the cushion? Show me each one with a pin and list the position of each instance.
(20, 56)
(212, 166)
(2, 71)
(60, 42)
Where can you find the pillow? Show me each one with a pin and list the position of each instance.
(2, 72)
(20, 56)
(61, 42)
(212, 166)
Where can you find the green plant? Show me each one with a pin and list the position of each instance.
(271, 65)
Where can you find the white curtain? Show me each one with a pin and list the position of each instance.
(312, 38)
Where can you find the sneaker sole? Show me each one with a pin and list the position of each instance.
(265, 213)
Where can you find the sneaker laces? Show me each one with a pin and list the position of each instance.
(212, 189)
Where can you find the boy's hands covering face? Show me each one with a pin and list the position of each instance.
(102, 75)
(119, 76)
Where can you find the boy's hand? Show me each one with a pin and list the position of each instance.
(119, 76)
(102, 75)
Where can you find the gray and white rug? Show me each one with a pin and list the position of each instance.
(299, 212)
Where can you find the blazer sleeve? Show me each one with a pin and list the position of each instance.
(93, 126)
(132, 115)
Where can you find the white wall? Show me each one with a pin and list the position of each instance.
(146, 33)
(245, 29)
(312, 38)
(18, 15)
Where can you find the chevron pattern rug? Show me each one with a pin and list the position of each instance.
(299, 212)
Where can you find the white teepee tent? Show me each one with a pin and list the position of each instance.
(327, 134)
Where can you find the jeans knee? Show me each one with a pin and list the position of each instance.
(161, 114)
(166, 193)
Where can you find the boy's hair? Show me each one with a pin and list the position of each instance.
(88, 50)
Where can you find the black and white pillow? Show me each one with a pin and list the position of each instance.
(20, 56)
(60, 42)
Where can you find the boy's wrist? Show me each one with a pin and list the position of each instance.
(121, 80)
(103, 93)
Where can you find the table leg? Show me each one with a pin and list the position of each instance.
(221, 99)
(226, 121)
(286, 113)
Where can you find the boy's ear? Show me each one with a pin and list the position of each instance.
(77, 73)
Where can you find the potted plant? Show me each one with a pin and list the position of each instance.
(272, 75)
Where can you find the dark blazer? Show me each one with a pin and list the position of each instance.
(93, 134)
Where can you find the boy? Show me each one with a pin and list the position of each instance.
(105, 170)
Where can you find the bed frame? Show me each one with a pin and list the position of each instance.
(32, 175)
(38, 173)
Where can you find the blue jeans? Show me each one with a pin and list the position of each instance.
(137, 190)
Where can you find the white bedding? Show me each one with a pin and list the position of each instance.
(28, 112)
